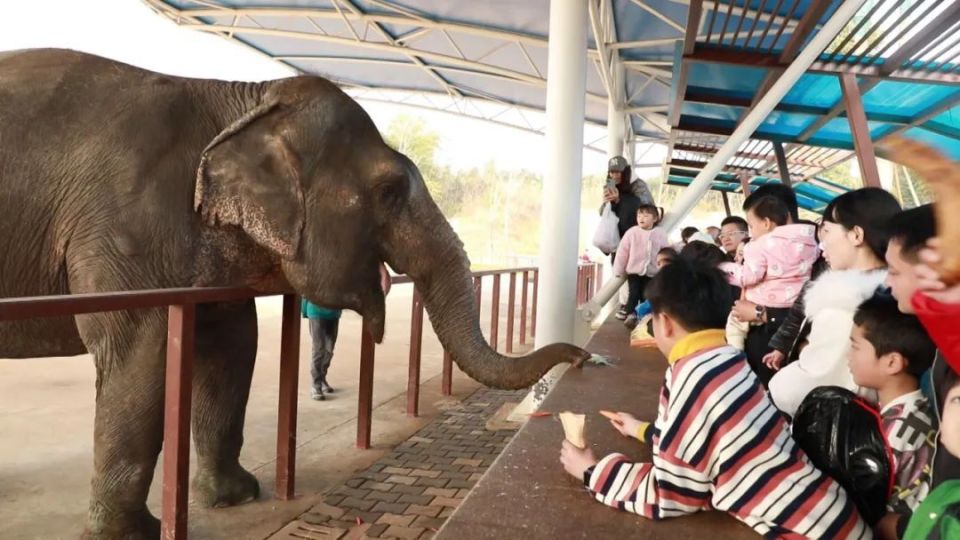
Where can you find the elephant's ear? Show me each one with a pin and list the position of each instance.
(250, 177)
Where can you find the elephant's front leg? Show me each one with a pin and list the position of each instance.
(128, 429)
(226, 351)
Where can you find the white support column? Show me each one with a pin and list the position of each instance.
(560, 217)
(616, 127)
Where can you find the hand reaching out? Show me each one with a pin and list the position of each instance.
(774, 360)
(627, 424)
(576, 460)
(929, 281)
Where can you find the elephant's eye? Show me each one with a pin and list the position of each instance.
(393, 192)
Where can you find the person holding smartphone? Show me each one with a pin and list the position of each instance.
(625, 195)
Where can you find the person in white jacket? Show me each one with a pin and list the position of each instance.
(854, 242)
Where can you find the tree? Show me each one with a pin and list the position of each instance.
(413, 138)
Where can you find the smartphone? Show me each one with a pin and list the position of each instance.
(610, 185)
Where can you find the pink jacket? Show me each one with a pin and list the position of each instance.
(776, 265)
(637, 252)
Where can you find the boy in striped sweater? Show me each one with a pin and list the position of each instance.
(718, 442)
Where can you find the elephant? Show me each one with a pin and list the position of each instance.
(115, 178)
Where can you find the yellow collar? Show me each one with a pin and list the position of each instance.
(697, 341)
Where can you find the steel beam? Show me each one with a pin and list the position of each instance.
(715, 55)
(689, 43)
(921, 39)
(704, 180)
(807, 24)
(782, 163)
(860, 131)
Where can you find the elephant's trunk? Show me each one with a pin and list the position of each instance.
(447, 289)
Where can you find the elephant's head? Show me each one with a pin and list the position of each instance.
(308, 177)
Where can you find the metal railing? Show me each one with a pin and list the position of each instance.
(181, 305)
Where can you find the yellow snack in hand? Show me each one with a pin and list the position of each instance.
(573, 425)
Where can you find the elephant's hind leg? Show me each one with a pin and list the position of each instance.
(226, 351)
(128, 429)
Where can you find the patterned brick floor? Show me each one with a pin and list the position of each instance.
(410, 493)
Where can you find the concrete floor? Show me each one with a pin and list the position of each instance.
(46, 425)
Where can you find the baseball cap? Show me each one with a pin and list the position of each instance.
(617, 164)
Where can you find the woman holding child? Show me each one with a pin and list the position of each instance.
(854, 240)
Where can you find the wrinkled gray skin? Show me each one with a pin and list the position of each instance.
(114, 178)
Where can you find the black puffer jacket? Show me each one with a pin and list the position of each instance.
(632, 196)
(789, 335)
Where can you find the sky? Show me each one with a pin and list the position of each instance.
(129, 31)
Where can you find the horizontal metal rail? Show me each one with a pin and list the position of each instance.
(181, 305)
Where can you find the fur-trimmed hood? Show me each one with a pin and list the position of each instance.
(842, 289)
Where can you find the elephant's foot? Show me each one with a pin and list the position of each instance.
(106, 525)
(218, 489)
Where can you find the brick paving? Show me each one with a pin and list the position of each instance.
(410, 493)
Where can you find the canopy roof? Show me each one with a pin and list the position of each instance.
(903, 53)
(458, 51)
(685, 85)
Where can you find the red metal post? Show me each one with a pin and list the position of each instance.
(511, 310)
(181, 326)
(533, 309)
(579, 285)
(860, 131)
(495, 313)
(416, 342)
(446, 382)
(744, 183)
(287, 411)
(365, 404)
(523, 309)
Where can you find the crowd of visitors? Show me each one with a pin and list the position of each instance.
(756, 317)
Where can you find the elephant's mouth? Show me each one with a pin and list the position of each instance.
(364, 296)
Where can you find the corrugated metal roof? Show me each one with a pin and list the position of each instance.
(686, 88)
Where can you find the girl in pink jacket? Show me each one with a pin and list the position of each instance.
(637, 256)
(776, 264)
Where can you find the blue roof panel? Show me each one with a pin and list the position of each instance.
(838, 129)
(815, 90)
(711, 112)
(905, 99)
(786, 124)
(724, 77)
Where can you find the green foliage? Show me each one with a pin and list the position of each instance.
(495, 212)
(840, 174)
(412, 137)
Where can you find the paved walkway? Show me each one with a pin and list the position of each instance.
(411, 491)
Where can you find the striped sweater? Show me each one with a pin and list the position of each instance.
(719, 443)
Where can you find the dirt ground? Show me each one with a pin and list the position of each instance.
(46, 426)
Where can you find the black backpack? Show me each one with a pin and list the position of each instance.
(842, 435)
